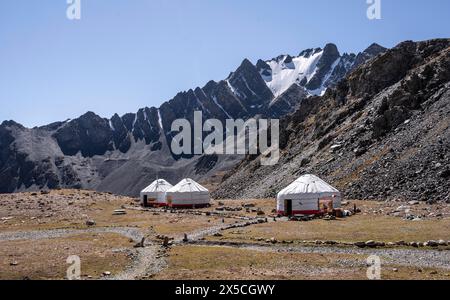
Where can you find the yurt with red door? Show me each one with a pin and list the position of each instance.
(308, 195)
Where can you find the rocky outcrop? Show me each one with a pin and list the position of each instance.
(89, 134)
(248, 86)
(289, 100)
(371, 52)
(324, 66)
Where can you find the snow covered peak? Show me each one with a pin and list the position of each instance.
(313, 69)
(282, 72)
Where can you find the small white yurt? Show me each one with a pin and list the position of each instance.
(308, 195)
(187, 194)
(155, 193)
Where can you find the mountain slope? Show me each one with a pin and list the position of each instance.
(123, 153)
(382, 133)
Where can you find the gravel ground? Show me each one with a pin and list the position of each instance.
(400, 257)
(199, 234)
(131, 233)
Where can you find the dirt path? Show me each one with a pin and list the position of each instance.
(201, 233)
(148, 262)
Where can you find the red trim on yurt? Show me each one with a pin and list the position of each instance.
(302, 212)
(156, 205)
(188, 205)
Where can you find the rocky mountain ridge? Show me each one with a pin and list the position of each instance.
(123, 153)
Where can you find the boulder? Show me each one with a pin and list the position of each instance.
(119, 212)
(442, 243)
(431, 244)
(260, 213)
(141, 244)
(371, 244)
(90, 223)
(360, 244)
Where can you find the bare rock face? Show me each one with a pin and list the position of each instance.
(381, 133)
(371, 52)
(288, 101)
(263, 68)
(121, 136)
(329, 57)
(206, 163)
(89, 134)
(245, 81)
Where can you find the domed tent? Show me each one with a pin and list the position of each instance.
(308, 195)
(187, 194)
(154, 194)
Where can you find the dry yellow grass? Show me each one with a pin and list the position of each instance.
(57, 213)
(266, 205)
(46, 259)
(58, 209)
(353, 229)
(222, 263)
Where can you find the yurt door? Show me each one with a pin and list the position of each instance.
(326, 205)
(288, 207)
(145, 201)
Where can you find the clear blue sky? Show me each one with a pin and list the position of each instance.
(127, 54)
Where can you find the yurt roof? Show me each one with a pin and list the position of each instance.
(187, 186)
(309, 184)
(158, 186)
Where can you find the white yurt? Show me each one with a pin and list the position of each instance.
(155, 193)
(308, 195)
(187, 194)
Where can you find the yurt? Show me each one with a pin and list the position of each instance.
(308, 195)
(187, 194)
(155, 193)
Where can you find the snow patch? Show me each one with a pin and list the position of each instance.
(246, 84)
(322, 89)
(160, 120)
(220, 106)
(285, 75)
(135, 120)
(111, 125)
(204, 109)
(233, 90)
